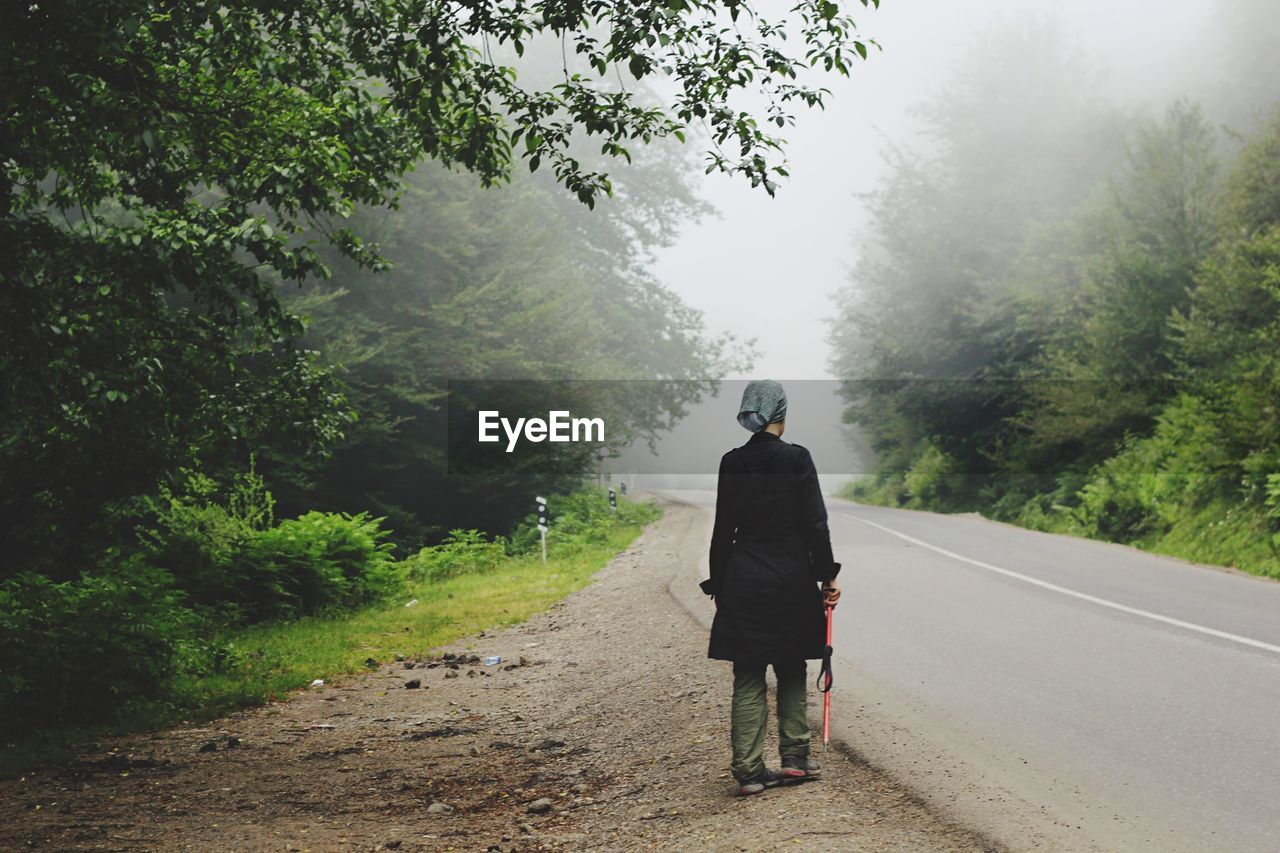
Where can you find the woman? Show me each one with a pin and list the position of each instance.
(769, 551)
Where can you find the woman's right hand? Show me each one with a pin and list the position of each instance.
(830, 593)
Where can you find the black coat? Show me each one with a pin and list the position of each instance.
(769, 549)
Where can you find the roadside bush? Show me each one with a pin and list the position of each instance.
(1051, 511)
(1121, 502)
(82, 651)
(320, 560)
(883, 489)
(463, 552)
(578, 520)
(1273, 496)
(229, 557)
(932, 481)
(926, 479)
(1145, 488)
(198, 535)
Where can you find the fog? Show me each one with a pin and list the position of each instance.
(688, 456)
(767, 267)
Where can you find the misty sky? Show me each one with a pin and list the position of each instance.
(797, 247)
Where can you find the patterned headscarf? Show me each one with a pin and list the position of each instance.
(763, 403)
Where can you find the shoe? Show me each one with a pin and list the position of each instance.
(798, 768)
(756, 784)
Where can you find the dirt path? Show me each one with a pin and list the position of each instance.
(611, 716)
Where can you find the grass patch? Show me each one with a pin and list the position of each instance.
(1222, 534)
(277, 658)
(271, 659)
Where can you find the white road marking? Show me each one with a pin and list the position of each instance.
(1093, 599)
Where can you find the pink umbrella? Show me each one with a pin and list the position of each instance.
(824, 685)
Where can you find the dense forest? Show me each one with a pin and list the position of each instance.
(516, 283)
(1067, 310)
(248, 245)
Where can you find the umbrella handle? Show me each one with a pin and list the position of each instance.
(825, 678)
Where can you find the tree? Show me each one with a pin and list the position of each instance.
(1108, 373)
(501, 293)
(1229, 331)
(168, 164)
(930, 327)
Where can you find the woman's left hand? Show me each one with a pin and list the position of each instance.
(830, 593)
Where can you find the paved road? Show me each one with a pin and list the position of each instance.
(1058, 692)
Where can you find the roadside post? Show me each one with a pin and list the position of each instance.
(542, 524)
(613, 501)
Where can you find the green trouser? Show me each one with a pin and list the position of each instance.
(751, 715)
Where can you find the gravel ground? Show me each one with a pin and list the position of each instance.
(604, 727)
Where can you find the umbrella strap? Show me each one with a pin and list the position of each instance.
(825, 678)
